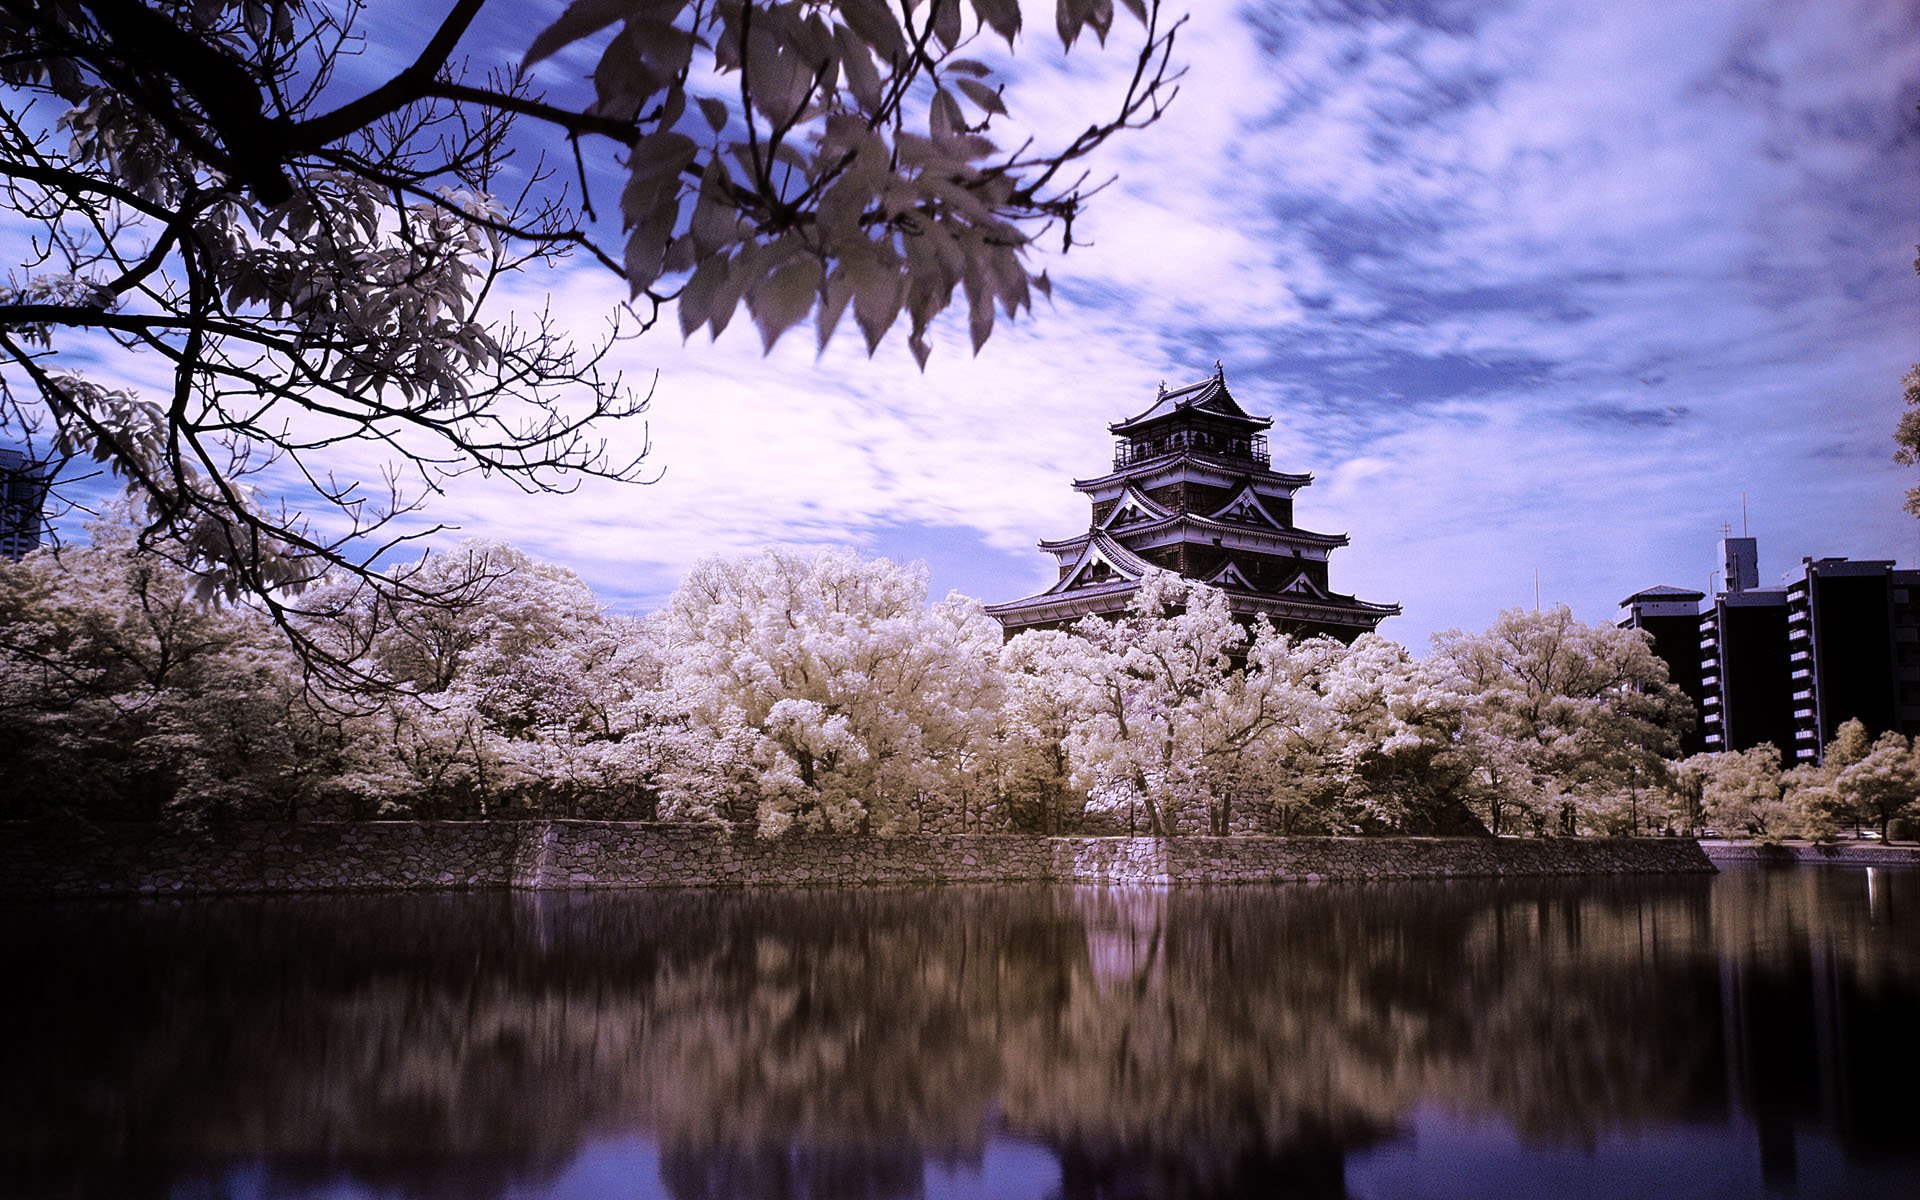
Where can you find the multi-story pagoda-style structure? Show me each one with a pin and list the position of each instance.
(1191, 491)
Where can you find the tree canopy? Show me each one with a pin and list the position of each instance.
(819, 691)
(1906, 435)
(290, 261)
(1570, 721)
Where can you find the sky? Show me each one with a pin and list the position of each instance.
(1542, 290)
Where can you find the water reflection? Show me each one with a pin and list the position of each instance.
(1075, 1043)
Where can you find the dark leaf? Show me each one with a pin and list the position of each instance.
(784, 297)
(987, 98)
(833, 303)
(1001, 16)
(879, 291)
(697, 298)
(582, 17)
(874, 22)
(946, 22)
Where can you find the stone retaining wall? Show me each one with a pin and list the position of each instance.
(432, 855)
(1856, 854)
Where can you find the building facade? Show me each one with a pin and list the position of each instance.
(1192, 490)
(1744, 674)
(1846, 624)
(1839, 640)
(23, 498)
(1671, 617)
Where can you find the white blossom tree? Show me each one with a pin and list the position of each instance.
(1176, 717)
(1191, 722)
(1152, 731)
(1883, 784)
(862, 706)
(123, 696)
(1564, 719)
(477, 688)
(1046, 690)
(1817, 807)
(1395, 757)
(1741, 793)
(1809, 790)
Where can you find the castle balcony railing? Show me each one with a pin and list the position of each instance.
(1129, 451)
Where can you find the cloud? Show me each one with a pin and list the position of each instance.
(1531, 286)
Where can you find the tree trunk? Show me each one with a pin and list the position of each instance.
(1155, 825)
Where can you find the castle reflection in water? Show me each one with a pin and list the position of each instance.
(1753, 1032)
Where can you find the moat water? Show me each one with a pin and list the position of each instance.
(1754, 1034)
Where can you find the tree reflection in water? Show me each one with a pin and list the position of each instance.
(803, 1045)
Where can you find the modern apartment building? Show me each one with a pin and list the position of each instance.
(23, 498)
(1671, 617)
(1839, 640)
(1845, 623)
(1743, 672)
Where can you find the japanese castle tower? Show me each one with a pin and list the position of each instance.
(1191, 491)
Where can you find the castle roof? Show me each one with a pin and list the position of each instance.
(1229, 471)
(1192, 486)
(1210, 396)
(1285, 535)
(1302, 602)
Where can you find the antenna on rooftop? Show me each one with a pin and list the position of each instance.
(1743, 514)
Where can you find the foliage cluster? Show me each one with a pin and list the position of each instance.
(299, 253)
(1861, 782)
(790, 691)
(1906, 434)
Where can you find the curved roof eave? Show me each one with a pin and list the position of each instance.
(1211, 390)
(1294, 532)
(1105, 548)
(1286, 478)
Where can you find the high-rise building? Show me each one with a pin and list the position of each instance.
(1746, 700)
(1840, 634)
(1671, 617)
(1192, 491)
(1838, 641)
(1906, 650)
(23, 498)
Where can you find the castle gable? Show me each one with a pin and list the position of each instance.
(1103, 561)
(1246, 508)
(1133, 507)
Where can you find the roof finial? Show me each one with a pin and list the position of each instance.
(1219, 372)
(1163, 387)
